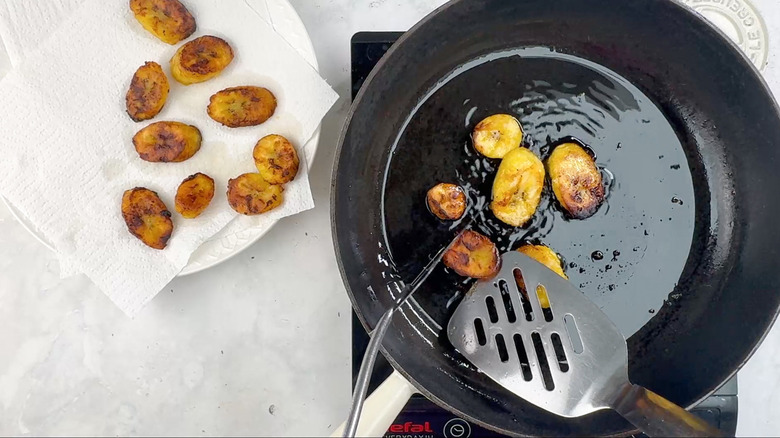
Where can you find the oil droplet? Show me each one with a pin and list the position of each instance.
(676, 200)
(597, 255)
(615, 255)
(572, 265)
(652, 310)
(611, 287)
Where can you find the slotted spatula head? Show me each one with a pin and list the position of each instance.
(550, 345)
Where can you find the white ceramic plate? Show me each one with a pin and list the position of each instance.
(288, 24)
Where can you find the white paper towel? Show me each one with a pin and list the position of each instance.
(25, 24)
(67, 147)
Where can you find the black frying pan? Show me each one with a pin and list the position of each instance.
(684, 253)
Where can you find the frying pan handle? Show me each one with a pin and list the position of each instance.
(658, 417)
(382, 407)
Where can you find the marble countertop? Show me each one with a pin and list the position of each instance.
(250, 347)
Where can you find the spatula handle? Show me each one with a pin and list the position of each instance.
(658, 417)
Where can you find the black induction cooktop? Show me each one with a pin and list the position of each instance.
(420, 417)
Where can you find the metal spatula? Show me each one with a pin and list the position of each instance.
(553, 347)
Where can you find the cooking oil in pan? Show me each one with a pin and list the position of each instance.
(627, 258)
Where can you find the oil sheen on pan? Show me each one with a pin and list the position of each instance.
(627, 257)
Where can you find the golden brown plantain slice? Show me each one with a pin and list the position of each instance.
(576, 180)
(148, 92)
(447, 201)
(147, 217)
(164, 142)
(276, 159)
(194, 195)
(242, 106)
(201, 59)
(545, 256)
(498, 134)
(517, 188)
(168, 20)
(250, 194)
(473, 255)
